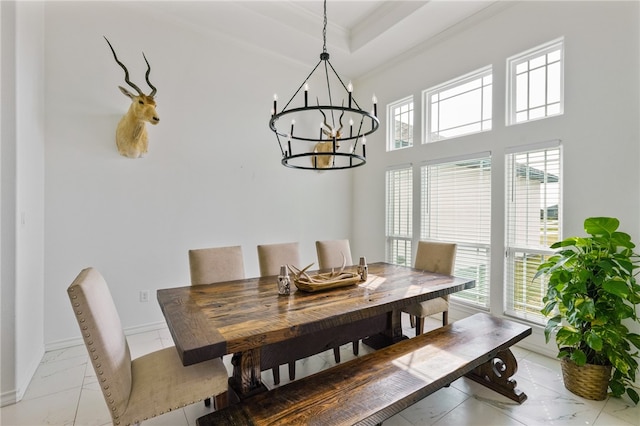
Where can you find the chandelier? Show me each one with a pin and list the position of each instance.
(319, 135)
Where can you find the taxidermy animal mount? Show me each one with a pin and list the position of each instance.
(332, 144)
(131, 134)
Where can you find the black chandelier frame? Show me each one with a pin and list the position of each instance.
(307, 159)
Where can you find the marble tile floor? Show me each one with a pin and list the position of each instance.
(64, 391)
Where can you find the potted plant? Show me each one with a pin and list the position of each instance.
(591, 291)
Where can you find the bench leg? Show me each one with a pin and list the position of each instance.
(497, 374)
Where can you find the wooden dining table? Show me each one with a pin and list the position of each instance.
(249, 319)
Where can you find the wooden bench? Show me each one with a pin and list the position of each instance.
(371, 388)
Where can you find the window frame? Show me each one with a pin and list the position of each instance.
(391, 128)
(393, 239)
(528, 55)
(480, 296)
(480, 74)
(517, 250)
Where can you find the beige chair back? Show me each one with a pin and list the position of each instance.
(103, 336)
(272, 256)
(436, 257)
(330, 253)
(216, 264)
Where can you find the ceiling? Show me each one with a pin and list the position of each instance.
(361, 34)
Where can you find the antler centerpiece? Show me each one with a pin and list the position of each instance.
(323, 281)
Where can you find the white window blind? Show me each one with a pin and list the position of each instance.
(456, 207)
(533, 224)
(399, 215)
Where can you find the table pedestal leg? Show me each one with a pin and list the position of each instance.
(246, 380)
(391, 335)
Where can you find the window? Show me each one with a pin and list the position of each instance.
(459, 107)
(456, 207)
(399, 215)
(400, 125)
(532, 225)
(536, 84)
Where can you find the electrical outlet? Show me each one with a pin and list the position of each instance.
(144, 296)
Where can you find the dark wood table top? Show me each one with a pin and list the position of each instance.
(208, 321)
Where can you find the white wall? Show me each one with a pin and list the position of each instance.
(8, 206)
(22, 195)
(599, 129)
(212, 176)
(30, 141)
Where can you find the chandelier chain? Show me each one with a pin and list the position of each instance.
(324, 29)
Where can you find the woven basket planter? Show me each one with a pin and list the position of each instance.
(588, 381)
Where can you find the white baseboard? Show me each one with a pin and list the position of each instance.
(8, 398)
(15, 395)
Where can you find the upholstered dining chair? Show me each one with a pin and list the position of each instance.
(330, 254)
(219, 264)
(270, 258)
(435, 257)
(145, 387)
(216, 264)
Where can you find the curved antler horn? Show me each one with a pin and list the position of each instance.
(126, 72)
(146, 76)
(324, 121)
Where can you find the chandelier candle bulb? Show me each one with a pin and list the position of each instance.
(350, 90)
(351, 127)
(364, 146)
(306, 95)
(291, 134)
(375, 105)
(275, 100)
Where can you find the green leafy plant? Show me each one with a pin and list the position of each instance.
(591, 290)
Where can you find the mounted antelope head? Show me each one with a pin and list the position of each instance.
(324, 161)
(131, 133)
